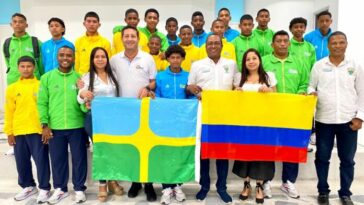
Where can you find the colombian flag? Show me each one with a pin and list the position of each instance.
(251, 126)
(144, 140)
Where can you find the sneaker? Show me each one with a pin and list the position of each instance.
(43, 196)
(25, 193)
(178, 193)
(10, 151)
(290, 189)
(80, 197)
(201, 195)
(225, 197)
(323, 199)
(57, 196)
(167, 195)
(267, 190)
(346, 200)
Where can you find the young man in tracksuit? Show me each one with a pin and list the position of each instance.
(62, 123)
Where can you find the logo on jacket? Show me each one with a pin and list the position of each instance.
(351, 70)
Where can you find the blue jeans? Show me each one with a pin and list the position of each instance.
(222, 167)
(346, 140)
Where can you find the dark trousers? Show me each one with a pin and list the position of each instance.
(289, 172)
(222, 167)
(31, 146)
(58, 149)
(346, 140)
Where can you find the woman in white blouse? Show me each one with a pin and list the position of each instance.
(100, 81)
(254, 78)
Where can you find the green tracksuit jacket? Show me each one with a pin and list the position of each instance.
(305, 51)
(243, 43)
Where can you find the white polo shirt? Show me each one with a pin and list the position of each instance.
(340, 91)
(214, 76)
(133, 75)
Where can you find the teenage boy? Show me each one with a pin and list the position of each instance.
(131, 19)
(20, 44)
(154, 46)
(262, 32)
(319, 37)
(246, 39)
(23, 129)
(299, 47)
(151, 18)
(50, 48)
(172, 28)
(192, 52)
(224, 15)
(89, 41)
(62, 123)
(228, 49)
(199, 35)
(292, 77)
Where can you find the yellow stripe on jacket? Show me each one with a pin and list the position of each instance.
(21, 114)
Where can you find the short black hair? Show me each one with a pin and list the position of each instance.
(92, 14)
(280, 33)
(19, 15)
(197, 13)
(130, 11)
(151, 10)
(171, 19)
(324, 13)
(66, 46)
(262, 10)
(297, 20)
(212, 34)
(60, 21)
(217, 20)
(185, 26)
(337, 33)
(26, 59)
(129, 27)
(155, 36)
(246, 17)
(223, 9)
(175, 49)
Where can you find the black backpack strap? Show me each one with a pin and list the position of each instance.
(6, 48)
(36, 50)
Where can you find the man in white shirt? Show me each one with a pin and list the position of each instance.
(213, 73)
(136, 72)
(339, 84)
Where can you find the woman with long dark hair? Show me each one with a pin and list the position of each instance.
(254, 78)
(99, 81)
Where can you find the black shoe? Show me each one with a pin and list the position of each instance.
(201, 195)
(149, 191)
(134, 190)
(346, 200)
(323, 199)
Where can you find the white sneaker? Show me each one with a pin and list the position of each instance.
(267, 190)
(178, 193)
(43, 196)
(10, 151)
(80, 196)
(57, 196)
(290, 189)
(25, 193)
(167, 195)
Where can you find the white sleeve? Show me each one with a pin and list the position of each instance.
(152, 69)
(237, 75)
(192, 75)
(314, 77)
(272, 79)
(359, 87)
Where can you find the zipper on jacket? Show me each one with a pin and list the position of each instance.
(283, 78)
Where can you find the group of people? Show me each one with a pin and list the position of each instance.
(43, 118)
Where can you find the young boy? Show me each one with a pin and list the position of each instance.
(154, 46)
(20, 44)
(172, 28)
(192, 52)
(62, 122)
(299, 47)
(23, 129)
(131, 19)
(262, 32)
(90, 40)
(246, 40)
(319, 37)
(50, 48)
(228, 49)
(171, 83)
(151, 18)
(224, 15)
(199, 35)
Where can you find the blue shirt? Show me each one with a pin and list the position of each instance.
(171, 85)
(230, 34)
(173, 42)
(50, 50)
(319, 42)
(199, 40)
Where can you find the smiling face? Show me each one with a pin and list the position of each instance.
(154, 45)
(100, 60)
(151, 20)
(252, 62)
(298, 29)
(337, 46)
(213, 47)
(65, 58)
(130, 39)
